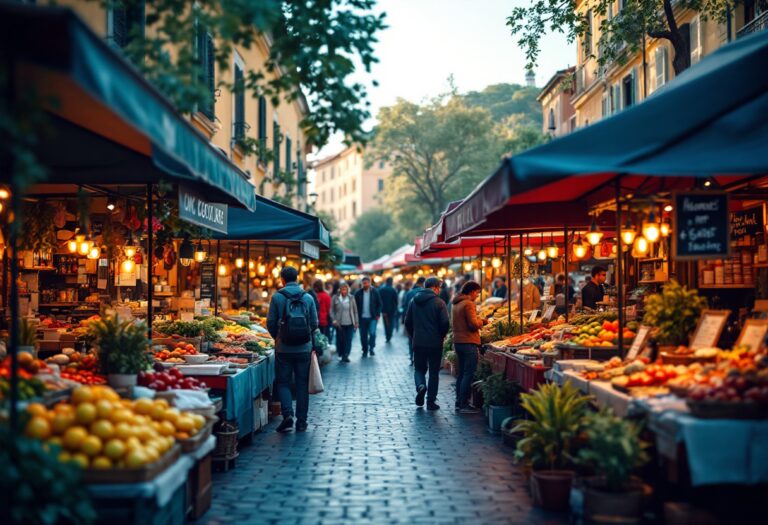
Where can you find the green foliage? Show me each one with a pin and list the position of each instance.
(448, 343)
(314, 46)
(39, 230)
(508, 100)
(498, 391)
(674, 312)
(121, 345)
(27, 333)
(369, 236)
(451, 357)
(483, 370)
(613, 449)
(335, 253)
(37, 489)
(551, 436)
(499, 330)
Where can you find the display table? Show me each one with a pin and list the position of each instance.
(498, 361)
(603, 393)
(526, 374)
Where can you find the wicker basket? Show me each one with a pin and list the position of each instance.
(226, 440)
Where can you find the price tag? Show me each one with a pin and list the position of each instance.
(639, 343)
(532, 318)
(753, 334)
(548, 313)
(709, 329)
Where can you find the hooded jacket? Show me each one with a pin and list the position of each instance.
(277, 310)
(427, 320)
(465, 321)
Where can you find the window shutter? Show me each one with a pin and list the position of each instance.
(262, 132)
(288, 156)
(119, 26)
(239, 104)
(633, 86)
(660, 57)
(695, 40)
(276, 147)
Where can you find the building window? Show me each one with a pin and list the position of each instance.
(354, 210)
(354, 185)
(262, 129)
(661, 66)
(381, 164)
(606, 104)
(239, 123)
(206, 62)
(695, 39)
(586, 44)
(628, 90)
(551, 124)
(276, 147)
(333, 172)
(288, 155)
(322, 176)
(381, 184)
(124, 23)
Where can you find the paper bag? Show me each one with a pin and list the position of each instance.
(315, 379)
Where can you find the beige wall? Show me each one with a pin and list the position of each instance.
(558, 101)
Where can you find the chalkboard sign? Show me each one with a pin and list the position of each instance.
(746, 223)
(207, 280)
(701, 228)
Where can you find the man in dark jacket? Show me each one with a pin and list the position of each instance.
(419, 286)
(427, 323)
(292, 360)
(369, 310)
(388, 296)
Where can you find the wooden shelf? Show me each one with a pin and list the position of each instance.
(726, 286)
(38, 269)
(652, 282)
(163, 294)
(59, 304)
(760, 265)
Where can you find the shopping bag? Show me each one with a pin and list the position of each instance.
(315, 379)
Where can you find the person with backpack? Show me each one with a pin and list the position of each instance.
(291, 321)
(418, 287)
(427, 323)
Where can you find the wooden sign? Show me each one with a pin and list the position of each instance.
(548, 313)
(702, 226)
(753, 334)
(710, 327)
(207, 280)
(639, 343)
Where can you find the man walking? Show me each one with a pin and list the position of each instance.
(291, 321)
(369, 307)
(388, 296)
(419, 286)
(427, 323)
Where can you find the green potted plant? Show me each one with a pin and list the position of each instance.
(482, 372)
(550, 439)
(122, 348)
(500, 396)
(452, 361)
(27, 337)
(674, 312)
(613, 450)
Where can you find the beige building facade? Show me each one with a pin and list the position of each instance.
(229, 118)
(558, 115)
(601, 91)
(346, 187)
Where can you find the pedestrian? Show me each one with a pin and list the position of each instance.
(594, 291)
(417, 287)
(560, 291)
(369, 307)
(345, 320)
(427, 323)
(500, 288)
(445, 294)
(401, 299)
(291, 321)
(323, 302)
(388, 296)
(398, 311)
(466, 342)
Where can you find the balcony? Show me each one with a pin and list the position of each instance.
(759, 23)
(586, 76)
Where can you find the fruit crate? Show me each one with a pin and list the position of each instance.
(194, 443)
(133, 475)
(597, 353)
(528, 376)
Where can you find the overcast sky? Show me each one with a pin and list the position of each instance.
(428, 40)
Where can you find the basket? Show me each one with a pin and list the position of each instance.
(226, 440)
(133, 475)
(727, 409)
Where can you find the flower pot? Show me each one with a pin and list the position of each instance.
(496, 415)
(552, 488)
(122, 380)
(601, 504)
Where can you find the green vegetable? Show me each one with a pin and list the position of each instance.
(674, 312)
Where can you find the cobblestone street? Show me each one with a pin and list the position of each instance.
(371, 456)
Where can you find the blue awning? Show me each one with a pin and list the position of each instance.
(95, 90)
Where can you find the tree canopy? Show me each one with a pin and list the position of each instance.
(373, 235)
(507, 100)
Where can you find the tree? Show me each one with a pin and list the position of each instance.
(314, 45)
(335, 253)
(441, 148)
(373, 235)
(621, 32)
(506, 100)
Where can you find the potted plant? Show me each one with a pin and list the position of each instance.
(500, 396)
(27, 337)
(674, 312)
(121, 347)
(613, 450)
(550, 439)
(452, 360)
(482, 372)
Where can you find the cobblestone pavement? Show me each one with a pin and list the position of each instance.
(371, 456)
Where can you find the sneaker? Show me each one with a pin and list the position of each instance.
(372, 353)
(469, 409)
(286, 425)
(345, 359)
(433, 406)
(365, 354)
(301, 426)
(420, 393)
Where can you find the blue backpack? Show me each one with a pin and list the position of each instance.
(294, 326)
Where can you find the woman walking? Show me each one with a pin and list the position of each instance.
(345, 320)
(466, 342)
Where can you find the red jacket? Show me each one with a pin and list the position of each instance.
(325, 308)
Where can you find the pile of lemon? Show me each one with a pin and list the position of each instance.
(97, 429)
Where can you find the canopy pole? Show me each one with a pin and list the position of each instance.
(14, 301)
(482, 274)
(150, 254)
(508, 245)
(520, 290)
(567, 287)
(248, 275)
(619, 276)
(216, 282)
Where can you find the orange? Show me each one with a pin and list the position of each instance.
(157, 412)
(132, 443)
(161, 402)
(55, 441)
(83, 394)
(172, 414)
(101, 462)
(104, 408)
(182, 435)
(91, 446)
(37, 409)
(85, 414)
(121, 415)
(198, 420)
(106, 393)
(61, 422)
(81, 459)
(103, 429)
(64, 408)
(152, 453)
(114, 449)
(144, 433)
(143, 406)
(136, 458)
(38, 427)
(185, 423)
(74, 437)
(123, 431)
(167, 428)
(64, 457)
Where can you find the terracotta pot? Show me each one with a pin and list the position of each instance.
(553, 489)
(496, 415)
(600, 504)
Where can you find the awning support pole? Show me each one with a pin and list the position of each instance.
(619, 272)
(567, 288)
(150, 255)
(482, 274)
(508, 244)
(216, 282)
(248, 275)
(520, 289)
(14, 303)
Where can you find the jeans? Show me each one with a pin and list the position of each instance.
(367, 334)
(427, 359)
(344, 335)
(390, 322)
(297, 366)
(467, 354)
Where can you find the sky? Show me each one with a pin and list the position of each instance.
(428, 40)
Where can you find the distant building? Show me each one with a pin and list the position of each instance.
(346, 188)
(558, 115)
(530, 79)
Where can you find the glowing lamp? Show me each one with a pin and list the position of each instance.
(640, 248)
(580, 249)
(129, 249)
(628, 233)
(94, 253)
(467, 266)
(186, 252)
(72, 246)
(542, 255)
(128, 265)
(239, 262)
(251, 265)
(275, 272)
(665, 229)
(4, 193)
(200, 254)
(262, 269)
(594, 235)
(651, 228)
(496, 262)
(222, 269)
(668, 208)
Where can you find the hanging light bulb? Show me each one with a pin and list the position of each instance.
(528, 251)
(262, 269)
(128, 265)
(542, 255)
(665, 229)
(72, 245)
(668, 208)
(186, 252)
(467, 266)
(129, 249)
(239, 262)
(640, 247)
(276, 272)
(552, 250)
(94, 253)
(628, 233)
(580, 248)
(85, 245)
(303, 268)
(651, 228)
(200, 254)
(251, 265)
(496, 262)
(4, 194)
(594, 235)
(222, 269)
(328, 276)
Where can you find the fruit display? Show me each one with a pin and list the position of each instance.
(29, 388)
(98, 430)
(84, 377)
(600, 334)
(674, 312)
(173, 379)
(645, 376)
(177, 354)
(28, 366)
(583, 319)
(534, 338)
(75, 360)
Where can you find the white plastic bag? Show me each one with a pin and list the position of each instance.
(315, 379)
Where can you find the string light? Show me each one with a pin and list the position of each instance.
(651, 228)
(628, 233)
(640, 247)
